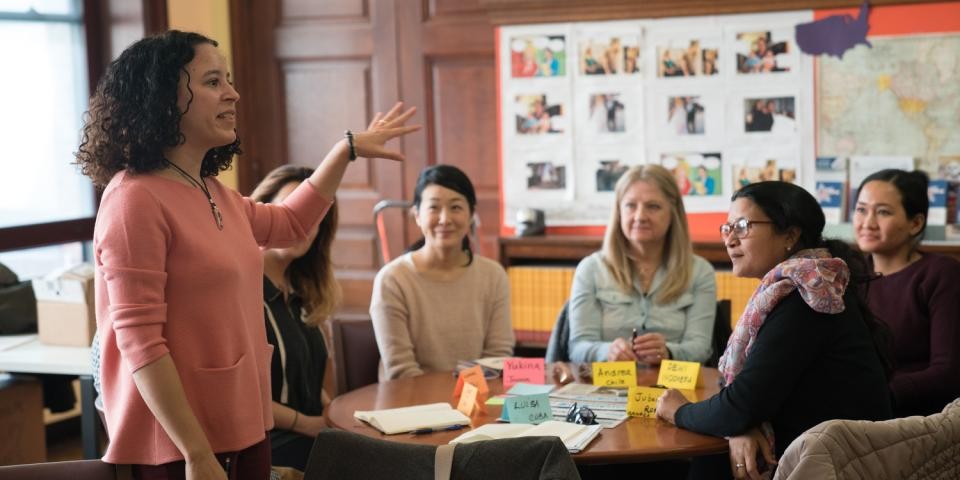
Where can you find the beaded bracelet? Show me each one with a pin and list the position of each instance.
(353, 149)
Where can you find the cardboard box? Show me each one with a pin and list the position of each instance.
(65, 307)
(21, 421)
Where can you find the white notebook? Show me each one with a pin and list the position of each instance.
(576, 437)
(408, 419)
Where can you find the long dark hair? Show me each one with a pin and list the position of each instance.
(790, 206)
(451, 177)
(310, 275)
(133, 114)
(913, 194)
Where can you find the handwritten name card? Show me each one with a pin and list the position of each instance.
(615, 374)
(642, 401)
(523, 370)
(680, 375)
(533, 409)
(468, 399)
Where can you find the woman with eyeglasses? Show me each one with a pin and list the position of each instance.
(806, 348)
(917, 294)
(645, 296)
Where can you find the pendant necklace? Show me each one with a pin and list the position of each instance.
(203, 187)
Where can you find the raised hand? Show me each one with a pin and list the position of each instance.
(383, 128)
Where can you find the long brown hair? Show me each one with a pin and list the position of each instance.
(677, 250)
(311, 275)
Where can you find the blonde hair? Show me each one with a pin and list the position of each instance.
(678, 252)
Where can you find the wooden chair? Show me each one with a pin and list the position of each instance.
(356, 357)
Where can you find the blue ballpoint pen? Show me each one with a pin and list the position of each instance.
(421, 431)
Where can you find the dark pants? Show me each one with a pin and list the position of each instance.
(292, 452)
(250, 463)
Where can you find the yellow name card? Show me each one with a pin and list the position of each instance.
(642, 401)
(615, 374)
(680, 375)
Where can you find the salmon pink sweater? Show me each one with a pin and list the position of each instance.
(169, 281)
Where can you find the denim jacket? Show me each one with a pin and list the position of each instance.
(601, 312)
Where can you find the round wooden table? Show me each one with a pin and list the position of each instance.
(635, 440)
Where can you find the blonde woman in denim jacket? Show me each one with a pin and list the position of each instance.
(646, 279)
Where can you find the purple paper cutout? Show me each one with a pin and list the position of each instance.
(835, 34)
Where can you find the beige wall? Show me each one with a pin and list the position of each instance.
(211, 18)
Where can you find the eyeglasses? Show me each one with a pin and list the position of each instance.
(581, 415)
(739, 228)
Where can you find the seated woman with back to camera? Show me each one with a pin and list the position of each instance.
(645, 280)
(917, 294)
(806, 348)
(440, 303)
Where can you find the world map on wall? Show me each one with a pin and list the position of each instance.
(901, 97)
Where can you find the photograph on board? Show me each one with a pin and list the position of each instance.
(767, 51)
(686, 58)
(697, 174)
(546, 176)
(609, 54)
(770, 114)
(607, 113)
(685, 115)
(538, 56)
(536, 116)
(608, 172)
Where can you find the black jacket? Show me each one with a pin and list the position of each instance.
(803, 368)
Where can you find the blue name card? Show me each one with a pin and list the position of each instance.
(527, 409)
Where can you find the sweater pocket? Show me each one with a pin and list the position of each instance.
(225, 398)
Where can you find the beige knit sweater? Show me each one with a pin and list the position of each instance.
(424, 325)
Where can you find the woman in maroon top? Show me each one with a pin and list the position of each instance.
(917, 294)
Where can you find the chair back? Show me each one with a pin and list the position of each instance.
(910, 448)
(73, 470)
(356, 357)
(721, 332)
(341, 454)
(558, 348)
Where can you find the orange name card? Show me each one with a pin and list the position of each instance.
(472, 375)
(523, 370)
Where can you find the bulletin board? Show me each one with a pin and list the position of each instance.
(578, 103)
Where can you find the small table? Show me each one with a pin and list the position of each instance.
(25, 354)
(635, 440)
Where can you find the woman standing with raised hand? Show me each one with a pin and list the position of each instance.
(645, 280)
(917, 294)
(185, 363)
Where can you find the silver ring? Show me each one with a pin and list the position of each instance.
(739, 465)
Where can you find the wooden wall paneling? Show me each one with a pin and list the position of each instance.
(436, 8)
(326, 9)
(256, 74)
(385, 83)
(463, 103)
(457, 60)
(338, 67)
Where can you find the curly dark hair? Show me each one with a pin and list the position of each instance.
(133, 114)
